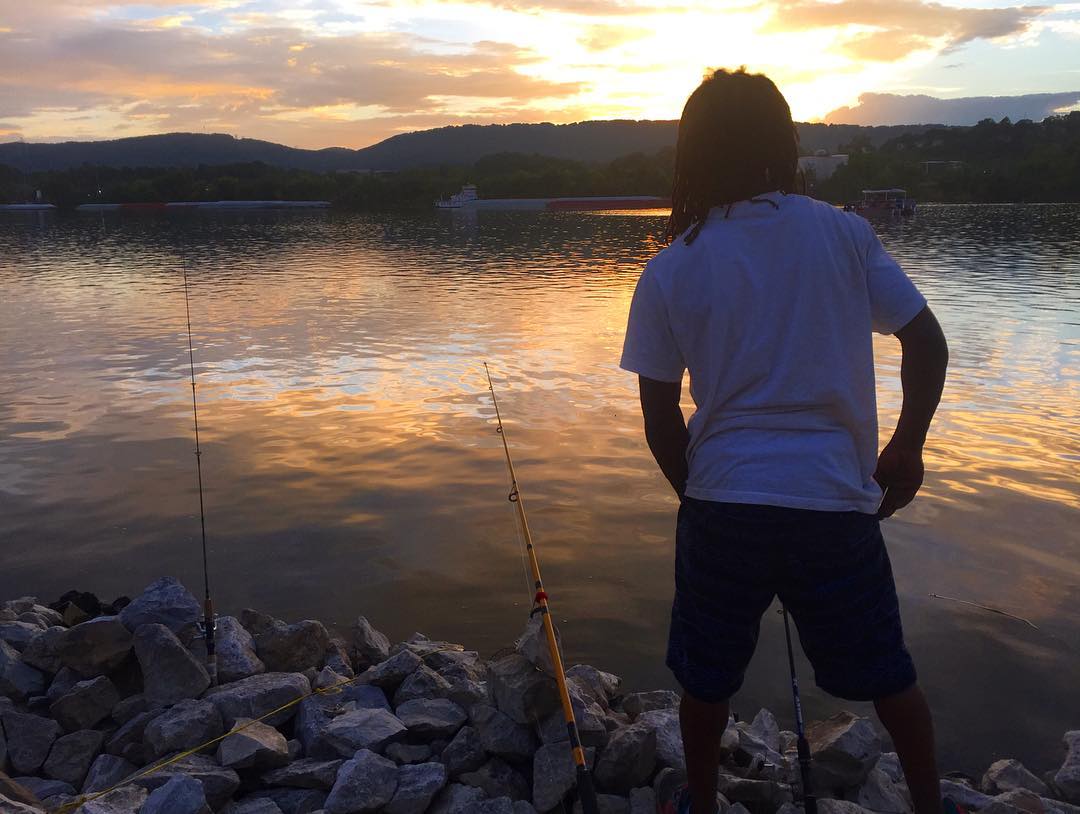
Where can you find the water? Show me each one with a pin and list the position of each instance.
(352, 466)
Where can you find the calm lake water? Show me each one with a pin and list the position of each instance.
(352, 466)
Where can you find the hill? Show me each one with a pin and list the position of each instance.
(594, 141)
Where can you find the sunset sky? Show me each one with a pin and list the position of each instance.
(317, 73)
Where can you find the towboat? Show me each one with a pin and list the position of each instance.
(883, 202)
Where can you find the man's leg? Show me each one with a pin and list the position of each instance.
(906, 716)
(702, 726)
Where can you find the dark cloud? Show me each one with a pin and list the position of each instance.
(889, 108)
(904, 26)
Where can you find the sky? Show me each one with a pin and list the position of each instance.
(318, 73)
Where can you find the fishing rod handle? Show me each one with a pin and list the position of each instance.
(587, 791)
(810, 804)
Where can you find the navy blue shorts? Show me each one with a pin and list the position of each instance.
(831, 571)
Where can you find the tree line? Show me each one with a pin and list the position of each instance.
(990, 162)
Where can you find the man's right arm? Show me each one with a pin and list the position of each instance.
(925, 357)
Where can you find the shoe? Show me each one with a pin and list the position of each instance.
(672, 795)
(950, 806)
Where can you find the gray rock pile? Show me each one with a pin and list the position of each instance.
(305, 720)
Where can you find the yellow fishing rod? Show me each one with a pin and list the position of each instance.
(586, 791)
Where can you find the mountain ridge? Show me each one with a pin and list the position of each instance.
(589, 141)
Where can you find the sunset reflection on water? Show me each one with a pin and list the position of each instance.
(352, 465)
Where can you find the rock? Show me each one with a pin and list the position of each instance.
(964, 795)
(183, 794)
(879, 793)
(365, 783)
(432, 718)
(590, 718)
(86, 704)
(642, 800)
(106, 771)
(18, 680)
(95, 647)
(417, 786)
(9, 806)
(292, 648)
(829, 806)
(1067, 778)
(164, 602)
(554, 774)
(638, 702)
(129, 708)
(124, 800)
(533, 644)
(253, 805)
(765, 729)
(253, 745)
(70, 757)
(497, 779)
(29, 738)
(408, 753)
(369, 645)
(307, 773)
(127, 741)
(182, 727)
(218, 783)
(756, 794)
(498, 805)
(523, 807)
(256, 622)
(520, 690)
(597, 684)
(44, 789)
(455, 798)
(338, 659)
(170, 672)
(18, 634)
(257, 695)
(43, 652)
(235, 648)
(423, 682)
(1006, 775)
(669, 745)
(606, 804)
(17, 792)
(889, 762)
(465, 753)
(501, 735)
(293, 801)
(62, 682)
(371, 729)
(1017, 801)
(845, 748)
(628, 759)
(457, 664)
(389, 674)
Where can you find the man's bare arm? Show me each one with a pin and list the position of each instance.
(665, 429)
(922, 374)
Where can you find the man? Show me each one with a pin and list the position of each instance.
(770, 299)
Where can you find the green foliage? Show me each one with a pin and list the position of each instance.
(499, 175)
(1001, 162)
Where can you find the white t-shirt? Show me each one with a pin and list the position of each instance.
(771, 309)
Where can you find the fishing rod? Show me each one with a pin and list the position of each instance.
(586, 791)
(809, 800)
(209, 622)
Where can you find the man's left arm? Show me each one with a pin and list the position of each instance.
(665, 429)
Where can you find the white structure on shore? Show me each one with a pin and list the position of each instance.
(821, 165)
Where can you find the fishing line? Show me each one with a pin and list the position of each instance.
(209, 623)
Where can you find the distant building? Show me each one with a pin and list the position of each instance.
(933, 167)
(822, 165)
